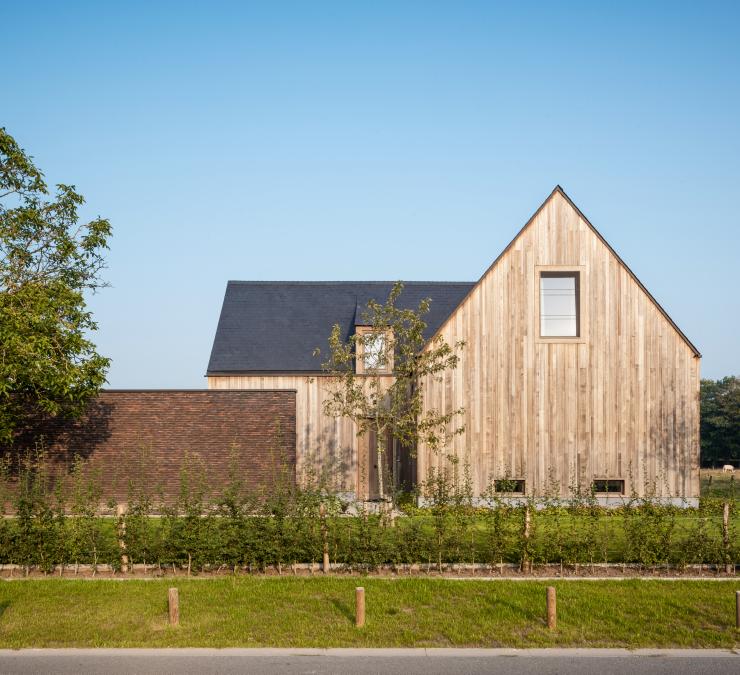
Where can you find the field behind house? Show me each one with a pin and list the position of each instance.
(319, 612)
(717, 484)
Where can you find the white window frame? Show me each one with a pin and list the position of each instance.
(582, 304)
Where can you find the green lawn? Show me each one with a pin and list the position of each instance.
(318, 612)
(719, 485)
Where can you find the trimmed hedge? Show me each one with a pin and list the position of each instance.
(52, 526)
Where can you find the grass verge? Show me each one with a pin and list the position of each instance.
(400, 613)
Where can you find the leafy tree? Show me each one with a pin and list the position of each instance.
(720, 421)
(388, 395)
(48, 261)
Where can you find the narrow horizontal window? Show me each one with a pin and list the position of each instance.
(510, 485)
(609, 486)
(559, 304)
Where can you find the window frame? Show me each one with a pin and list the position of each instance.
(608, 492)
(360, 352)
(520, 482)
(581, 304)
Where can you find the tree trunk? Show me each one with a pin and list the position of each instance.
(381, 486)
(380, 447)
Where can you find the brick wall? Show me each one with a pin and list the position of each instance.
(148, 434)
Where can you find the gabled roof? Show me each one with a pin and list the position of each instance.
(274, 326)
(560, 191)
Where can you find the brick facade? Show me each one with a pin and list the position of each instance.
(147, 434)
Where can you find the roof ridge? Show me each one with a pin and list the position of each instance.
(338, 283)
(559, 190)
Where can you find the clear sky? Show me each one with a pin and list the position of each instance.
(377, 140)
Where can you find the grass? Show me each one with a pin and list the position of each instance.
(319, 612)
(714, 483)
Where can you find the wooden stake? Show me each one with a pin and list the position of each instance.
(737, 610)
(359, 606)
(526, 562)
(174, 603)
(552, 608)
(121, 513)
(729, 567)
(325, 537)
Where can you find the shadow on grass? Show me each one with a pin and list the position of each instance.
(517, 609)
(344, 609)
(3, 607)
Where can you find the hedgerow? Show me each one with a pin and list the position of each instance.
(46, 524)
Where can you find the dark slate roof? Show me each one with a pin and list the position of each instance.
(273, 326)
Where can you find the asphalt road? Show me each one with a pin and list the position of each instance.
(367, 661)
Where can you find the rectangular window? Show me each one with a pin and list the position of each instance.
(510, 485)
(609, 487)
(373, 352)
(559, 304)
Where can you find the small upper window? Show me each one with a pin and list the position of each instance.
(559, 304)
(374, 351)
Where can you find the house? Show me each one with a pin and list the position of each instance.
(572, 373)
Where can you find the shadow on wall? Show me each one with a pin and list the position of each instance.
(328, 462)
(146, 436)
(61, 438)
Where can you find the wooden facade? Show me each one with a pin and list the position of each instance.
(620, 401)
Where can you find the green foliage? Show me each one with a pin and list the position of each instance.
(649, 529)
(85, 536)
(55, 521)
(48, 261)
(720, 421)
(381, 404)
(449, 499)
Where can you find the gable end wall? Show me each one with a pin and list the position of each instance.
(621, 403)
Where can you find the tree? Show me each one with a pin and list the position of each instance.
(48, 261)
(387, 395)
(720, 421)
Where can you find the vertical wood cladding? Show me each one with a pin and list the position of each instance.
(621, 398)
(620, 401)
(148, 435)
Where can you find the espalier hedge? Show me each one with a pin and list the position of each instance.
(50, 523)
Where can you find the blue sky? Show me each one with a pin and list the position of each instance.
(377, 141)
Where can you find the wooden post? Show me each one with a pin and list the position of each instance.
(729, 567)
(737, 610)
(174, 603)
(325, 537)
(121, 512)
(526, 562)
(359, 606)
(552, 608)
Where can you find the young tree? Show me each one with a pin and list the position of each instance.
(48, 261)
(386, 395)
